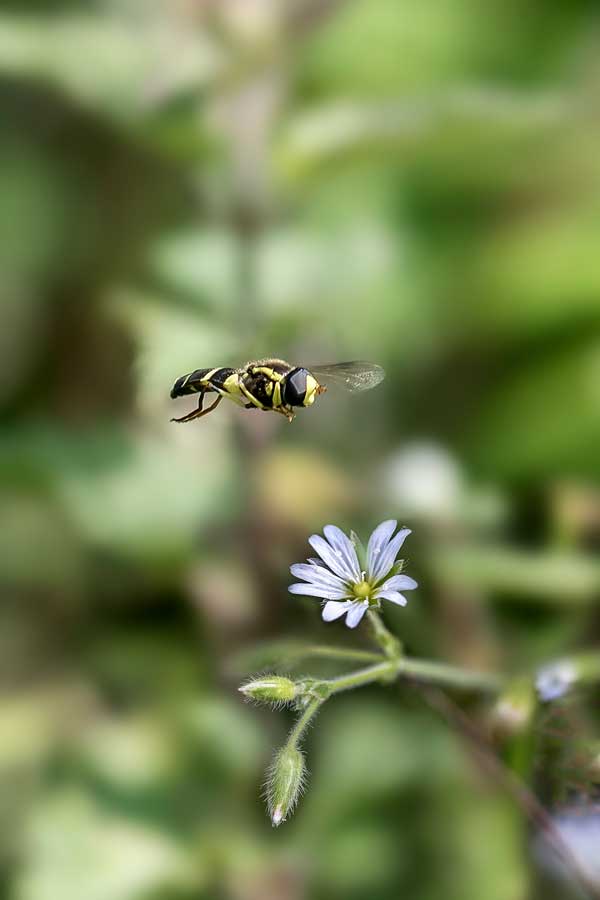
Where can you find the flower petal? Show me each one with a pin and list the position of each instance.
(330, 557)
(399, 583)
(555, 679)
(342, 544)
(333, 610)
(356, 613)
(377, 543)
(317, 575)
(386, 559)
(393, 596)
(314, 590)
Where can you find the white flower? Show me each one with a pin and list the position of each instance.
(424, 480)
(555, 680)
(579, 830)
(337, 576)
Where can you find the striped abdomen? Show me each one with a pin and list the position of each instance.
(204, 380)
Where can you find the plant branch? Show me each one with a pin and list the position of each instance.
(424, 671)
(444, 675)
(383, 671)
(329, 652)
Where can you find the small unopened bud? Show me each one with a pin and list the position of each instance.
(270, 689)
(285, 784)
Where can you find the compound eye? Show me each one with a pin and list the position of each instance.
(294, 390)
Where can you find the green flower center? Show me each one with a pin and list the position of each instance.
(362, 590)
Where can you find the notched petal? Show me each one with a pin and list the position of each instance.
(342, 544)
(330, 557)
(393, 597)
(313, 590)
(378, 542)
(399, 583)
(355, 614)
(387, 558)
(316, 575)
(333, 610)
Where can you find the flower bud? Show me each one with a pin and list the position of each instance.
(285, 783)
(270, 689)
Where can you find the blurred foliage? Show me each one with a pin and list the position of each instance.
(203, 182)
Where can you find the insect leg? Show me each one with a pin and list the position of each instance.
(195, 412)
(214, 405)
(198, 413)
(288, 413)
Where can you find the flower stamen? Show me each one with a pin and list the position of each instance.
(362, 590)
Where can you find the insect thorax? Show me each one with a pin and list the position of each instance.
(277, 366)
(262, 379)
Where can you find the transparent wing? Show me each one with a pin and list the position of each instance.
(352, 376)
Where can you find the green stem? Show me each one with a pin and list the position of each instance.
(288, 653)
(383, 671)
(419, 670)
(389, 643)
(327, 652)
(302, 723)
(449, 676)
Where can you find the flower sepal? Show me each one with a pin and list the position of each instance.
(310, 689)
(396, 568)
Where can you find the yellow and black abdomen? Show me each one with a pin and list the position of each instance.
(202, 380)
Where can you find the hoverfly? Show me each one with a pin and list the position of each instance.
(273, 384)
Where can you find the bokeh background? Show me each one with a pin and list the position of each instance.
(197, 183)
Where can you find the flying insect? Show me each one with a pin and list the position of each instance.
(273, 384)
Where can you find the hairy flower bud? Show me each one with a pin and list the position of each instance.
(270, 689)
(285, 783)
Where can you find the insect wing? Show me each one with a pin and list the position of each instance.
(351, 376)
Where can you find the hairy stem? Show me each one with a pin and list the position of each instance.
(383, 671)
(389, 643)
(423, 671)
(327, 652)
(444, 675)
(302, 723)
